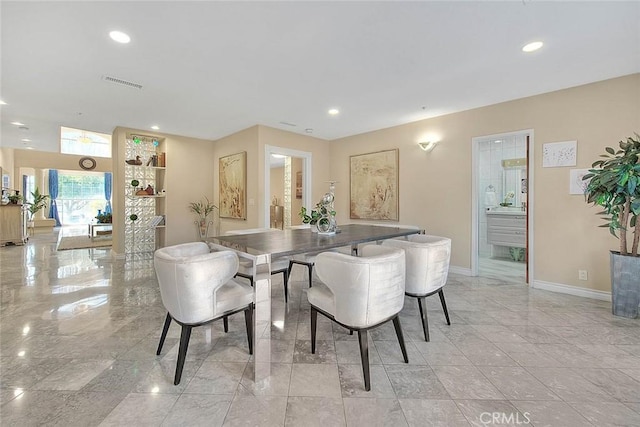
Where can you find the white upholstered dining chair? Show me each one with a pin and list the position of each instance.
(427, 263)
(360, 293)
(197, 287)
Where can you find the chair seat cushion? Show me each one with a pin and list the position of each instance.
(233, 295)
(320, 296)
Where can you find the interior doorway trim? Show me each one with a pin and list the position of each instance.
(475, 214)
(306, 157)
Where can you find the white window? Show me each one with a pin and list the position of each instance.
(84, 142)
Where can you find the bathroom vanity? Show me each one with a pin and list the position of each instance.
(507, 227)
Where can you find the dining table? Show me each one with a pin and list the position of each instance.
(261, 247)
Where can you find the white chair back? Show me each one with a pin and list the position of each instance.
(366, 289)
(427, 261)
(189, 276)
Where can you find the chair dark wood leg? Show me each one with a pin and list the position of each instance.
(423, 315)
(248, 320)
(290, 267)
(314, 324)
(396, 324)
(444, 305)
(285, 278)
(225, 322)
(350, 331)
(182, 352)
(165, 329)
(310, 275)
(364, 356)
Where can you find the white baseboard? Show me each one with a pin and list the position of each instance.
(572, 290)
(459, 270)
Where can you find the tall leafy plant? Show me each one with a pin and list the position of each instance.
(614, 184)
(39, 202)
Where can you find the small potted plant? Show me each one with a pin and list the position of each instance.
(203, 209)
(104, 218)
(14, 199)
(614, 184)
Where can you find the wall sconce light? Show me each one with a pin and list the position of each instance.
(428, 145)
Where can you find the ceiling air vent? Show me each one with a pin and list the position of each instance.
(122, 82)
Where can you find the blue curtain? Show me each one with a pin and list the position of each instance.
(25, 184)
(53, 193)
(107, 191)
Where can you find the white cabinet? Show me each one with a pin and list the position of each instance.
(507, 229)
(12, 224)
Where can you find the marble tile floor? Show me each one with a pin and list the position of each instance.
(507, 270)
(78, 333)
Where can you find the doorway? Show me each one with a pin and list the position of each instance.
(502, 198)
(287, 185)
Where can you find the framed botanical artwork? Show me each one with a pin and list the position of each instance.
(233, 186)
(374, 186)
(559, 154)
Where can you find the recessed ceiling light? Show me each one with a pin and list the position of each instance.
(155, 127)
(17, 123)
(308, 130)
(2, 102)
(532, 46)
(25, 140)
(29, 148)
(119, 36)
(334, 111)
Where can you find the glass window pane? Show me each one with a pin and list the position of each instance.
(84, 142)
(80, 196)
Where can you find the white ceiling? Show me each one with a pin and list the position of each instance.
(209, 69)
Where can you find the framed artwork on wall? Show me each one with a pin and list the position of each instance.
(233, 186)
(299, 185)
(559, 154)
(374, 186)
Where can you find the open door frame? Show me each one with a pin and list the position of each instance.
(307, 160)
(475, 214)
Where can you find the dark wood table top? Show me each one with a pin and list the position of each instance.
(290, 242)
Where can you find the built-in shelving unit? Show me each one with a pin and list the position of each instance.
(145, 219)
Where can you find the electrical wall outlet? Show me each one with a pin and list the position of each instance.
(582, 275)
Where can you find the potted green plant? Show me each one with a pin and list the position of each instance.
(309, 218)
(203, 209)
(104, 218)
(14, 199)
(39, 202)
(614, 184)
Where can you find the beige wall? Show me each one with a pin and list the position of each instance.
(435, 187)
(253, 141)
(320, 151)
(6, 164)
(245, 140)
